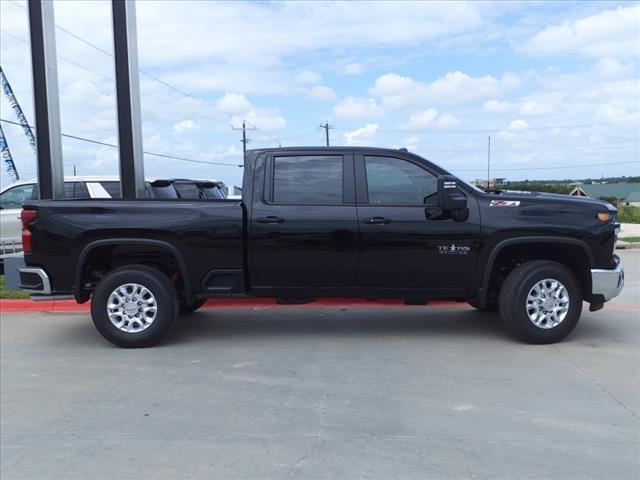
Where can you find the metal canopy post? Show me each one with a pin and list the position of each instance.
(128, 99)
(46, 99)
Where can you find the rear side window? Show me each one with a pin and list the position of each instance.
(112, 188)
(187, 190)
(308, 180)
(76, 190)
(393, 181)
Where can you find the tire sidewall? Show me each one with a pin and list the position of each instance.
(158, 285)
(525, 326)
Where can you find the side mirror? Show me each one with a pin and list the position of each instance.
(450, 199)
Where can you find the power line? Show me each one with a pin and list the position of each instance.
(162, 155)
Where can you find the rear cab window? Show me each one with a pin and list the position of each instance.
(307, 180)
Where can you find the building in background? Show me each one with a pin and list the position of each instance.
(625, 193)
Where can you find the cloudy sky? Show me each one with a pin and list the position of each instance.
(555, 85)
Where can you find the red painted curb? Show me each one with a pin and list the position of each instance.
(25, 305)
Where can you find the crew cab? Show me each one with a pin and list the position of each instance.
(327, 222)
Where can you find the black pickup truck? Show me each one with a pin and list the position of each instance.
(327, 222)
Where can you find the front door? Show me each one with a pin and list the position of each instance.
(303, 222)
(400, 247)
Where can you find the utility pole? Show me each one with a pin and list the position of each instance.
(326, 128)
(488, 162)
(244, 137)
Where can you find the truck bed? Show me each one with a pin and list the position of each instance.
(204, 233)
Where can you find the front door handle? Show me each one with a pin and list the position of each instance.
(377, 220)
(270, 219)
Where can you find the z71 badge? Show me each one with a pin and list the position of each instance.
(453, 250)
(504, 203)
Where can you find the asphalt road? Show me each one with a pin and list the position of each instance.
(331, 393)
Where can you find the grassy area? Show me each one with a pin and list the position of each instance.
(4, 293)
(630, 239)
(628, 214)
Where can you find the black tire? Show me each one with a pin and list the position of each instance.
(513, 301)
(157, 283)
(490, 307)
(186, 308)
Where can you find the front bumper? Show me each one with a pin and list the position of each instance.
(608, 283)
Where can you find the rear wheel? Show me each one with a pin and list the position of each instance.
(134, 306)
(541, 301)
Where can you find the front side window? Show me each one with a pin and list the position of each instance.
(308, 180)
(393, 181)
(16, 196)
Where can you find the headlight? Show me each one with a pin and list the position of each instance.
(606, 216)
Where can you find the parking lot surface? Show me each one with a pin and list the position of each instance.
(328, 393)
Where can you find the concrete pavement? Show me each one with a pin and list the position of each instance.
(333, 392)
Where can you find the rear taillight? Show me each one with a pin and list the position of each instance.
(27, 216)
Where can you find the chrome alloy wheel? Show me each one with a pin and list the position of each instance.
(547, 303)
(132, 308)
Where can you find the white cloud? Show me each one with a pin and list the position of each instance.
(532, 107)
(353, 69)
(184, 126)
(233, 104)
(355, 107)
(322, 93)
(398, 92)
(447, 120)
(610, 34)
(431, 118)
(612, 68)
(268, 119)
(518, 125)
(307, 77)
(498, 106)
(361, 136)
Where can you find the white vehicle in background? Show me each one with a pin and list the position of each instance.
(13, 196)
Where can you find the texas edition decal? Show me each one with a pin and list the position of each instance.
(453, 250)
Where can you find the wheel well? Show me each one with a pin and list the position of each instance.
(100, 260)
(571, 256)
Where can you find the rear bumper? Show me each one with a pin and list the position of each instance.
(608, 283)
(34, 280)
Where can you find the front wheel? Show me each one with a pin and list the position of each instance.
(134, 306)
(541, 301)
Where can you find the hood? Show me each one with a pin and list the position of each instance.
(554, 197)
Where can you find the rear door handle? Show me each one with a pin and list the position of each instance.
(270, 219)
(378, 220)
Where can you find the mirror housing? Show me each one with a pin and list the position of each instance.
(450, 199)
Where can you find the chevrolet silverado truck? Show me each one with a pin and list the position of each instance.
(327, 222)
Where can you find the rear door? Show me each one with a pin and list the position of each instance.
(401, 248)
(303, 221)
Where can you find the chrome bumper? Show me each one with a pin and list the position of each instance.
(34, 280)
(608, 283)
